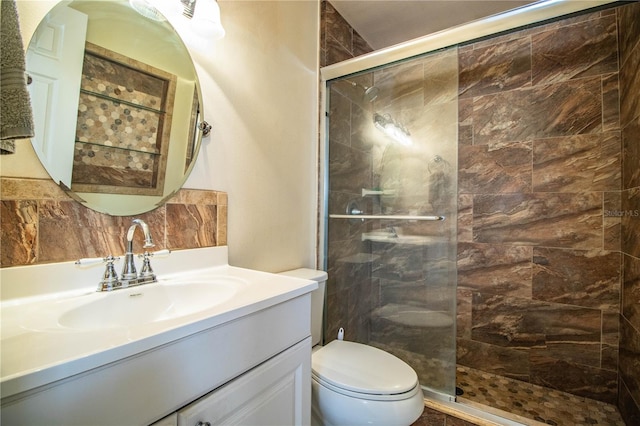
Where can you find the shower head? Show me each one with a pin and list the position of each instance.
(369, 93)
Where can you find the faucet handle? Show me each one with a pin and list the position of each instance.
(110, 279)
(147, 271)
(89, 261)
(158, 253)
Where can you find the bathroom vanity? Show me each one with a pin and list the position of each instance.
(205, 345)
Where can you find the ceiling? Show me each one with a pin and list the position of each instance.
(383, 23)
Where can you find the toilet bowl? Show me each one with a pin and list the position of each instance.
(356, 384)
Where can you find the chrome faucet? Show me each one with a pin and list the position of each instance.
(129, 270)
(130, 276)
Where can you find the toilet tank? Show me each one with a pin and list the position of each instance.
(317, 298)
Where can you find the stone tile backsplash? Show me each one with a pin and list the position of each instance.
(41, 224)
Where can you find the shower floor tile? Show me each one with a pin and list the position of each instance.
(534, 402)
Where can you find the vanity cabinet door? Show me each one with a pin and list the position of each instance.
(277, 392)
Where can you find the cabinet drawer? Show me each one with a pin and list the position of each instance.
(277, 392)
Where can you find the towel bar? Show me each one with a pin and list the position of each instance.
(385, 217)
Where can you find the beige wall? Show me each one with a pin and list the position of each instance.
(260, 86)
(261, 96)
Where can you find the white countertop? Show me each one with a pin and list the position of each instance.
(34, 355)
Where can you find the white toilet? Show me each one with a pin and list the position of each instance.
(355, 384)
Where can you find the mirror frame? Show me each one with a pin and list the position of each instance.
(102, 13)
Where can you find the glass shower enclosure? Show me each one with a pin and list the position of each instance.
(391, 212)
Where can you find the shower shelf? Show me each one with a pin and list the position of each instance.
(403, 239)
(366, 192)
(385, 217)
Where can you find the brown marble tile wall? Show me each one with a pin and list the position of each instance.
(41, 224)
(338, 40)
(349, 284)
(540, 156)
(629, 213)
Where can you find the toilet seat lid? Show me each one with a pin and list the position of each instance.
(364, 369)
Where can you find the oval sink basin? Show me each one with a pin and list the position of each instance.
(147, 303)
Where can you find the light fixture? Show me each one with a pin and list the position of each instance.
(205, 18)
(392, 129)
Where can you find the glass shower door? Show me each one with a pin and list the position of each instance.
(392, 212)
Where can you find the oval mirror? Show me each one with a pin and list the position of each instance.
(116, 102)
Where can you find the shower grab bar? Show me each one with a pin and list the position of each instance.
(388, 217)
